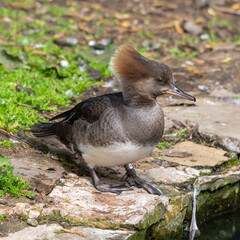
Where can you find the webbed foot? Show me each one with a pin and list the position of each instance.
(133, 180)
(102, 187)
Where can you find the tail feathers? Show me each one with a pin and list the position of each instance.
(44, 129)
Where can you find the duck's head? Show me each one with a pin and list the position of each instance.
(143, 76)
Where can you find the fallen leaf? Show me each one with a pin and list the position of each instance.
(58, 35)
(37, 52)
(79, 16)
(121, 15)
(177, 26)
(124, 229)
(84, 28)
(235, 6)
(194, 70)
(198, 61)
(212, 12)
(74, 232)
(125, 24)
(225, 60)
(13, 126)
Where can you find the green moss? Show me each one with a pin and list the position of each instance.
(70, 221)
(10, 183)
(174, 134)
(210, 204)
(3, 218)
(6, 143)
(230, 163)
(150, 218)
(164, 145)
(186, 54)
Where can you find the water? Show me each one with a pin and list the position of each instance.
(224, 227)
(193, 226)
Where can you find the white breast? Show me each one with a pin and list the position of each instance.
(115, 154)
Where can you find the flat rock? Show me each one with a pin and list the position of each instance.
(170, 175)
(55, 232)
(77, 197)
(214, 117)
(41, 171)
(96, 234)
(192, 154)
(36, 233)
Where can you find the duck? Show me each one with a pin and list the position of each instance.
(122, 127)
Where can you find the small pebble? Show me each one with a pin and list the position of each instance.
(64, 63)
(204, 36)
(32, 222)
(69, 92)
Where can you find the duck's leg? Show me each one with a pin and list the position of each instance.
(114, 188)
(133, 180)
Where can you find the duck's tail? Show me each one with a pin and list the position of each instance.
(44, 129)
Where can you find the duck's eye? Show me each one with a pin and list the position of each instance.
(160, 80)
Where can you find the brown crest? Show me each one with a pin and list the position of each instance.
(128, 64)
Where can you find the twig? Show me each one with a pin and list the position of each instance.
(25, 105)
(227, 10)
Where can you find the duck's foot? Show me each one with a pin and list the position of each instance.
(114, 188)
(133, 180)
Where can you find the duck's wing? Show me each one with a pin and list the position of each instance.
(91, 109)
(88, 110)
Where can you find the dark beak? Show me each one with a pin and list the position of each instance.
(178, 92)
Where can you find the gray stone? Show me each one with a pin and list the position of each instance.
(215, 118)
(32, 222)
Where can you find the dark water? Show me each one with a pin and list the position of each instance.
(225, 227)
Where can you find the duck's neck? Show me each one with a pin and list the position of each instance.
(135, 95)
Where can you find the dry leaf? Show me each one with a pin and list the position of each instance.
(13, 126)
(178, 27)
(235, 6)
(225, 60)
(84, 28)
(74, 232)
(212, 12)
(58, 35)
(79, 16)
(125, 24)
(198, 61)
(37, 52)
(121, 15)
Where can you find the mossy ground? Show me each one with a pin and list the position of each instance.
(10, 183)
(30, 58)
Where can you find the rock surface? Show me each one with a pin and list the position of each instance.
(216, 117)
(192, 154)
(57, 232)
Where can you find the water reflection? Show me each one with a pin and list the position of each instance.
(225, 227)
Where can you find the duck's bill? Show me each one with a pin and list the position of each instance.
(178, 92)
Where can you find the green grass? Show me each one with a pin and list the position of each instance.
(183, 54)
(31, 59)
(10, 183)
(174, 134)
(3, 218)
(164, 145)
(6, 143)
